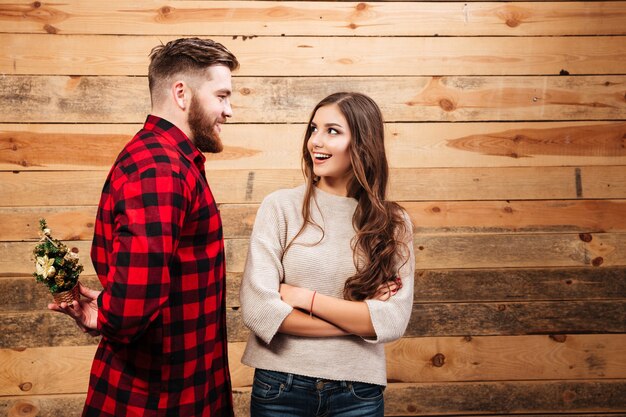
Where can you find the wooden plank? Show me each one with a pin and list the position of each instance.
(66, 222)
(82, 188)
(496, 399)
(272, 18)
(518, 251)
(527, 216)
(71, 405)
(19, 261)
(271, 146)
(480, 398)
(412, 400)
(297, 56)
(428, 320)
(25, 294)
(469, 285)
(447, 251)
(512, 319)
(579, 216)
(118, 99)
(506, 358)
(65, 370)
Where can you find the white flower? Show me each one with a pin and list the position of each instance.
(46, 231)
(44, 266)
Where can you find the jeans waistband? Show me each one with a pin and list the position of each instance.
(302, 381)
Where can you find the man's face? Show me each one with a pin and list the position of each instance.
(209, 108)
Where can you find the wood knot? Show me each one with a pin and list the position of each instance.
(37, 4)
(585, 237)
(508, 209)
(467, 338)
(420, 247)
(446, 104)
(564, 72)
(436, 209)
(24, 409)
(559, 338)
(346, 61)
(512, 22)
(597, 261)
(569, 396)
(569, 282)
(245, 91)
(353, 26)
(26, 386)
(438, 360)
(50, 29)
(165, 10)
(501, 307)
(361, 6)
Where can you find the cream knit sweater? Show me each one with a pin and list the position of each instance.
(323, 267)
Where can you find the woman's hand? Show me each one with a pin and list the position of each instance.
(387, 289)
(295, 296)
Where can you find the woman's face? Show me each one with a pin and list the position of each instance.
(329, 149)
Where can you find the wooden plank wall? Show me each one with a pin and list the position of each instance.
(507, 139)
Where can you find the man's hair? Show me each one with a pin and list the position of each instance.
(186, 56)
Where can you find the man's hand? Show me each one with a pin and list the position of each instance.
(84, 312)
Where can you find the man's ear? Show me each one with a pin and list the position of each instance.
(180, 94)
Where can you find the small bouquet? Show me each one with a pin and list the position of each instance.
(57, 266)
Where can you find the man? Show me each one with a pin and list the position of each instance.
(159, 253)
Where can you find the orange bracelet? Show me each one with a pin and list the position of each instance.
(311, 309)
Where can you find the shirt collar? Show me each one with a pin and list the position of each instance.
(176, 137)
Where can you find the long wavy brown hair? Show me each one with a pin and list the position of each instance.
(378, 223)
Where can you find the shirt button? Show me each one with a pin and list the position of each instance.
(319, 385)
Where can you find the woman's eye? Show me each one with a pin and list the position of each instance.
(333, 131)
(313, 128)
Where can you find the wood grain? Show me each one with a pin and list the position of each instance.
(459, 217)
(272, 146)
(65, 369)
(23, 294)
(61, 54)
(428, 320)
(567, 398)
(82, 188)
(119, 99)
(316, 18)
(432, 251)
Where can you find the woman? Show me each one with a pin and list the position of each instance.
(329, 273)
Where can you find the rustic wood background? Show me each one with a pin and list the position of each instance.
(507, 140)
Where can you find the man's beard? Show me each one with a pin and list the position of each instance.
(204, 134)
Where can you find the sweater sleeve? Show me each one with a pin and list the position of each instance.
(262, 309)
(390, 318)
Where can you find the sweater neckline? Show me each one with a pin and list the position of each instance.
(334, 201)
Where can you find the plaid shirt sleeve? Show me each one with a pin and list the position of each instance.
(148, 215)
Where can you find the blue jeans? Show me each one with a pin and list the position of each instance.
(278, 394)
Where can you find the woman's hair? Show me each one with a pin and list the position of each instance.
(378, 223)
(188, 56)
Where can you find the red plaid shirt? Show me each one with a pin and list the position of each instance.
(159, 254)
